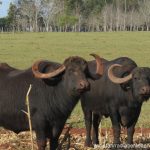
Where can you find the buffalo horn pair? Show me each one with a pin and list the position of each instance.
(38, 74)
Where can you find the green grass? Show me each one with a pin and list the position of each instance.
(22, 49)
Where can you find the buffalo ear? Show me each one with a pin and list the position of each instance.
(92, 70)
(127, 85)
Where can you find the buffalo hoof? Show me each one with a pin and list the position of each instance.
(129, 142)
(95, 142)
(88, 144)
(116, 142)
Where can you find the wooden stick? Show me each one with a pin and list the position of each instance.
(28, 114)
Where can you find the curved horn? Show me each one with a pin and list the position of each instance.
(115, 79)
(99, 64)
(38, 74)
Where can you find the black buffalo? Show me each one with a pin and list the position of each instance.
(55, 91)
(118, 96)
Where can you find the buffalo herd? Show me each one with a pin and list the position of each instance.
(115, 89)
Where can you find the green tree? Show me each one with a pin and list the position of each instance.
(12, 15)
(4, 24)
(75, 9)
(67, 21)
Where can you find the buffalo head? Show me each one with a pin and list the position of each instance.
(74, 73)
(139, 79)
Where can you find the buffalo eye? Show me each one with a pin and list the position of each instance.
(71, 70)
(136, 78)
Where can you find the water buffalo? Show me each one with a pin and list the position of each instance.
(118, 94)
(55, 91)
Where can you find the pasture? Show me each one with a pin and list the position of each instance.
(22, 49)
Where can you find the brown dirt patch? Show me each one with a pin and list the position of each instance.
(75, 140)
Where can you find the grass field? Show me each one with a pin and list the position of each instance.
(22, 49)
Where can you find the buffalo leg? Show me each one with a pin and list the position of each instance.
(88, 125)
(130, 133)
(96, 122)
(53, 143)
(41, 140)
(131, 129)
(41, 144)
(40, 131)
(56, 131)
(116, 128)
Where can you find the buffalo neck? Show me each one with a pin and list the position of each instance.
(132, 100)
(61, 103)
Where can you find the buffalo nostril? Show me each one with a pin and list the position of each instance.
(145, 90)
(83, 85)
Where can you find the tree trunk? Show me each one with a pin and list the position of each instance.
(75, 28)
(111, 22)
(89, 28)
(105, 21)
(47, 29)
(117, 17)
(36, 21)
(147, 27)
(79, 23)
(125, 13)
(30, 26)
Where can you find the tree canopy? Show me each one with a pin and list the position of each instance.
(78, 15)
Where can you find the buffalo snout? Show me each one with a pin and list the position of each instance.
(145, 90)
(83, 85)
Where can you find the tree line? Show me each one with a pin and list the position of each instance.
(77, 16)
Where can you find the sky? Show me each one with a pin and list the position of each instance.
(4, 7)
